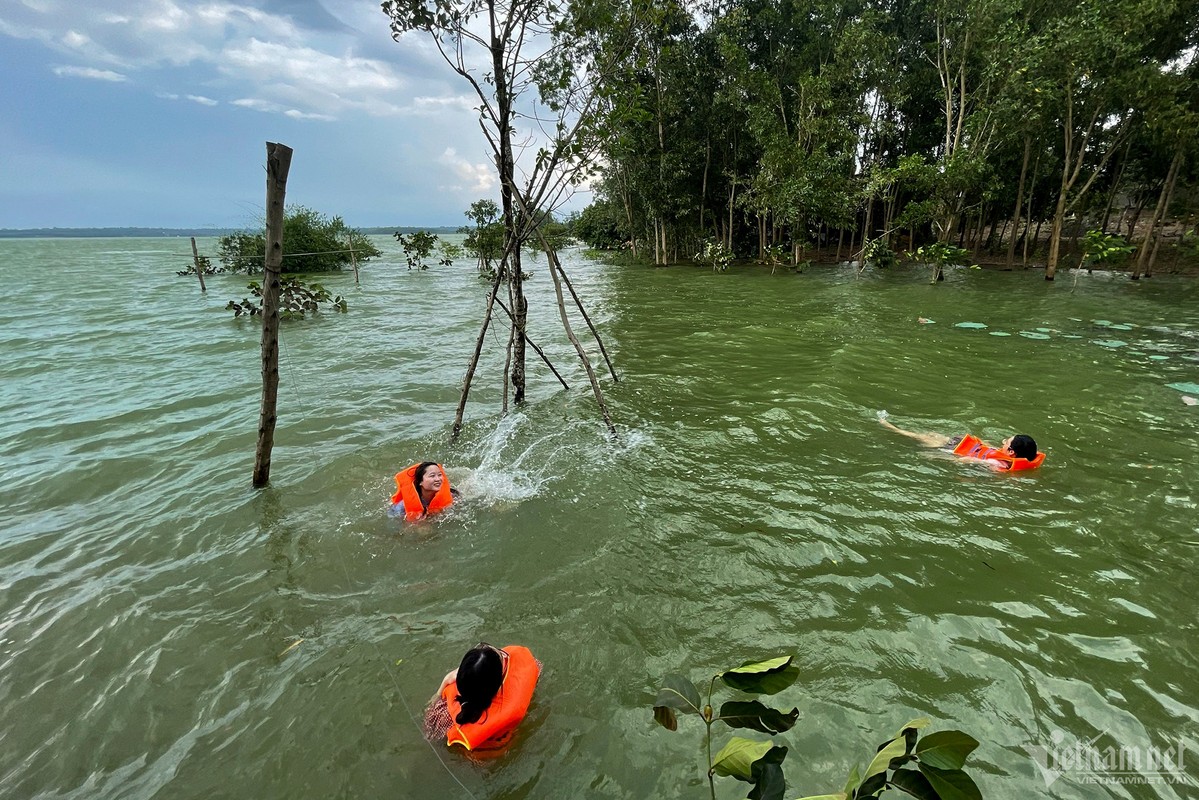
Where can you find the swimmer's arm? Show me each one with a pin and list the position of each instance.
(449, 678)
(454, 493)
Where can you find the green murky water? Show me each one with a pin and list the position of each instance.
(753, 506)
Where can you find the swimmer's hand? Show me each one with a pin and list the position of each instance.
(883, 416)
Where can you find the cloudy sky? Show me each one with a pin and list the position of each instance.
(156, 113)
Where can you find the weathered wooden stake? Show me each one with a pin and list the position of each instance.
(353, 258)
(278, 162)
(199, 269)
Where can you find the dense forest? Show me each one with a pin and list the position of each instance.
(770, 127)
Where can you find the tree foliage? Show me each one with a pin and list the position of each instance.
(312, 242)
(764, 123)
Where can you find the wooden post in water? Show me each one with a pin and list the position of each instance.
(278, 162)
(353, 258)
(199, 269)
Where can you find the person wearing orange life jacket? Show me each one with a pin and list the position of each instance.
(479, 705)
(1015, 453)
(422, 490)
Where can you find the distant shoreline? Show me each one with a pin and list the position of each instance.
(99, 233)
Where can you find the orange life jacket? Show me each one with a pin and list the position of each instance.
(973, 447)
(494, 729)
(406, 490)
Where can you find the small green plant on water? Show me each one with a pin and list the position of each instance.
(205, 264)
(295, 299)
(716, 255)
(925, 767)
(878, 253)
(941, 255)
(1099, 247)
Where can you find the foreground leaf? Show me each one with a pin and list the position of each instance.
(769, 783)
(758, 717)
(678, 692)
(666, 717)
(762, 677)
(951, 784)
(893, 749)
(946, 749)
(736, 759)
(914, 784)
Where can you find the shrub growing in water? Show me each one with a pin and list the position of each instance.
(312, 242)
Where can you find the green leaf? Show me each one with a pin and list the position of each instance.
(917, 724)
(678, 692)
(769, 783)
(757, 717)
(913, 783)
(951, 784)
(946, 749)
(762, 677)
(851, 782)
(889, 750)
(736, 759)
(666, 717)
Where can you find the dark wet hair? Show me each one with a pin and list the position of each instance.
(480, 676)
(1024, 447)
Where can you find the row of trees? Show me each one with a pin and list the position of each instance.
(798, 123)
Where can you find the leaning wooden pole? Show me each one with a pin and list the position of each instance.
(532, 344)
(556, 264)
(199, 269)
(278, 162)
(570, 334)
(474, 359)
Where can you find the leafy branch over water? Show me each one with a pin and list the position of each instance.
(927, 768)
(295, 299)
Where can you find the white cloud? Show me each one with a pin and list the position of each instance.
(426, 106)
(476, 177)
(75, 39)
(297, 114)
(90, 72)
(202, 100)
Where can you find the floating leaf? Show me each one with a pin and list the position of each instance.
(1034, 335)
(762, 677)
(1184, 387)
(946, 749)
(1113, 343)
(970, 325)
(755, 716)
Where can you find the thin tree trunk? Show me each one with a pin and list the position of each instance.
(278, 163)
(353, 257)
(1011, 248)
(1161, 222)
(544, 358)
